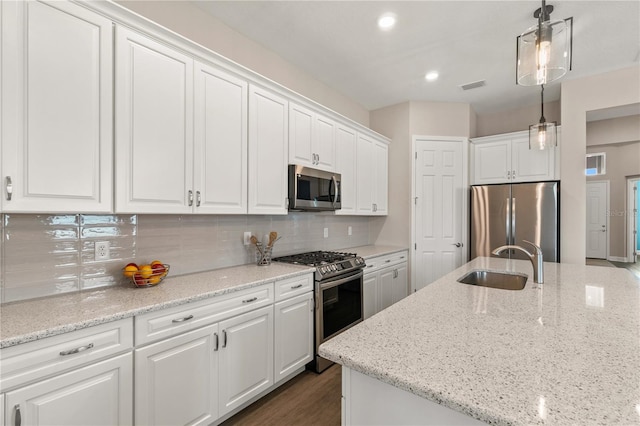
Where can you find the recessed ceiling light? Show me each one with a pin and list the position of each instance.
(386, 21)
(431, 76)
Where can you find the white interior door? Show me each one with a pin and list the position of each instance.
(597, 232)
(440, 205)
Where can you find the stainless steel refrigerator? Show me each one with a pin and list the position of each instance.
(510, 213)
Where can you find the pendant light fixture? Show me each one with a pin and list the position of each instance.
(544, 50)
(543, 135)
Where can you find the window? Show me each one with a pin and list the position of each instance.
(596, 164)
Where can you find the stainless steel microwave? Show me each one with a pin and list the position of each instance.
(312, 189)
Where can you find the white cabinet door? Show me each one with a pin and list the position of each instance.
(325, 143)
(99, 394)
(301, 150)
(176, 379)
(57, 119)
(293, 334)
(370, 298)
(220, 148)
(246, 357)
(529, 165)
(346, 166)
(385, 287)
(365, 175)
(268, 148)
(492, 162)
(400, 282)
(154, 126)
(2, 421)
(381, 170)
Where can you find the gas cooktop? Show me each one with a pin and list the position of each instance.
(328, 264)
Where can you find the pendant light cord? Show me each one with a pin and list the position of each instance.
(542, 119)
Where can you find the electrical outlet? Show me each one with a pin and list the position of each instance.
(349, 231)
(326, 232)
(247, 238)
(101, 250)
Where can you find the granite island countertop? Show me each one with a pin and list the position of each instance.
(565, 353)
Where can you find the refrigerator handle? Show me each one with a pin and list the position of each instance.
(507, 222)
(513, 220)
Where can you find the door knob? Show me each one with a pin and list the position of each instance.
(457, 244)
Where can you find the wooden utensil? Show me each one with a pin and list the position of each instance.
(273, 235)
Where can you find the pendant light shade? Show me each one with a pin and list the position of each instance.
(544, 50)
(543, 135)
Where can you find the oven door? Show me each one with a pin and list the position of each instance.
(338, 305)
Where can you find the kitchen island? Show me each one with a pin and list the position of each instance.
(566, 352)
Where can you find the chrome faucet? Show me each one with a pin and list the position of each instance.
(535, 258)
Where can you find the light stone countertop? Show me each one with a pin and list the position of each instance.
(29, 320)
(565, 353)
(373, 250)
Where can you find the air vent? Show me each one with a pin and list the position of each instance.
(473, 85)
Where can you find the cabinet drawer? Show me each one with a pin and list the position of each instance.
(293, 287)
(169, 322)
(35, 360)
(375, 263)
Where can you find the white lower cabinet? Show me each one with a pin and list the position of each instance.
(246, 358)
(176, 379)
(293, 334)
(385, 282)
(98, 394)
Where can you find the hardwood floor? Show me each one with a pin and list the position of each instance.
(307, 399)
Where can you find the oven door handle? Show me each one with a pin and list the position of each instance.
(341, 280)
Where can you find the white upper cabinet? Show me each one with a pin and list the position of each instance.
(268, 147)
(56, 108)
(220, 154)
(507, 158)
(372, 167)
(346, 166)
(312, 138)
(181, 132)
(381, 174)
(154, 126)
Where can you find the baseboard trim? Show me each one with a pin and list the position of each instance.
(618, 259)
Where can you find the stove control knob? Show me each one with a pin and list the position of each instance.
(334, 268)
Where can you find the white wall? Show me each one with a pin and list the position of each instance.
(607, 90)
(614, 130)
(515, 120)
(191, 22)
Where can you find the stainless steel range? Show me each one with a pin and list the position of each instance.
(338, 294)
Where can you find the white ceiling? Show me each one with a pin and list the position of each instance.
(338, 42)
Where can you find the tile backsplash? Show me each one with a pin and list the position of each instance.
(44, 255)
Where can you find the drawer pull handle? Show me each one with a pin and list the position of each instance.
(9, 187)
(18, 415)
(190, 317)
(224, 338)
(387, 261)
(217, 341)
(253, 299)
(77, 350)
(370, 266)
(293, 287)
(401, 257)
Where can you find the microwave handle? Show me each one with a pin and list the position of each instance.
(335, 186)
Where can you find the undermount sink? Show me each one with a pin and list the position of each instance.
(494, 279)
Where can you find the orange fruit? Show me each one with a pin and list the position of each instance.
(155, 279)
(156, 262)
(146, 271)
(129, 270)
